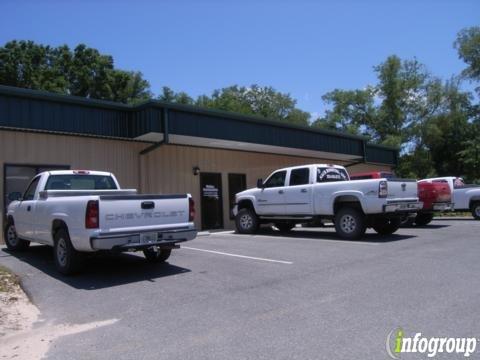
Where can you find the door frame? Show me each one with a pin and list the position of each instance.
(230, 213)
(220, 194)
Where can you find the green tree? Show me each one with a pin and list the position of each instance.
(468, 47)
(351, 111)
(169, 95)
(81, 72)
(256, 100)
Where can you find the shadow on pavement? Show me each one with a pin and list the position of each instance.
(100, 270)
(322, 234)
(427, 227)
(446, 218)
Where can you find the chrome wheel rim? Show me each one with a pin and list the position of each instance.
(62, 252)
(348, 223)
(476, 210)
(12, 236)
(246, 221)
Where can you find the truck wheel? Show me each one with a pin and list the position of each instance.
(68, 261)
(284, 227)
(385, 226)
(476, 210)
(155, 255)
(423, 219)
(246, 221)
(12, 240)
(407, 221)
(350, 223)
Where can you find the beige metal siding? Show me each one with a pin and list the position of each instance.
(167, 169)
(119, 157)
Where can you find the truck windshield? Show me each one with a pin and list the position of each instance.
(329, 174)
(80, 182)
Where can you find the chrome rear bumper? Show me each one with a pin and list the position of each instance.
(126, 241)
(395, 207)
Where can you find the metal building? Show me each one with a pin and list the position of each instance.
(159, 147)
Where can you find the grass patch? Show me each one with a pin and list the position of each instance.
(8, 280)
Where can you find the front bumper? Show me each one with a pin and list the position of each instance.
(402, 207)
(442, 206)
(132, 241)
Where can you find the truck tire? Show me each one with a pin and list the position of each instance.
(350, 223)
(407, 221)
(157, 255)
(11, 239)
(476, 210)
(68, 261)
(423, 219)
(246, 221)
(284, 227)
(386, 226)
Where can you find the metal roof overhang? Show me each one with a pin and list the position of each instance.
(154, 121)
(245, 146)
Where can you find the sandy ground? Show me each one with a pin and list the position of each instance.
(23, 334)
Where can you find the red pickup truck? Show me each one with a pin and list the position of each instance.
(436, 196)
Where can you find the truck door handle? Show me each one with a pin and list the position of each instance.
(280, 191)
(304, 190)
(148, 205)
(29, 208)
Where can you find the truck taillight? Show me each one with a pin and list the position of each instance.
(191, 209)
(92, 215)
(382, 189)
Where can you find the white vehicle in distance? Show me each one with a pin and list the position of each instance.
(466, 197)
(80, 211)
(312, 193)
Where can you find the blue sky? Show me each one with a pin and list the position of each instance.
(305, 48)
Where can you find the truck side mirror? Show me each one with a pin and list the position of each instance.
(260, 184)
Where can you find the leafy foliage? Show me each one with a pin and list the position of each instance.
(81, 72)
(468, 46)
(435, 123)
(256, 100)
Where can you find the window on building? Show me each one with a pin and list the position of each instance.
(236, 184)
(300, 176)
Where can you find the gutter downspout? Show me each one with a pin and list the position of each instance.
(154, 146)
(165, 135)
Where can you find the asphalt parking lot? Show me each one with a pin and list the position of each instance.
(228, 296)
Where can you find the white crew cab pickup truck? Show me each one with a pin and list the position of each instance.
(81, 211)
(311, 193)
(466, 197)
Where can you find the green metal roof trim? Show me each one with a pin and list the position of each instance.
(43, 111)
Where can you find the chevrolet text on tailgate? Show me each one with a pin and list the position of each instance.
(81, 211)
(311, 193)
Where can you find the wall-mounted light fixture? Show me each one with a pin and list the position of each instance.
(196, 170)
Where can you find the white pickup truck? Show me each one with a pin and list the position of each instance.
(81, 211)
(310, 193)
(466, 197)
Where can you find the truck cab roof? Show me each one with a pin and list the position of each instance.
(309, 165)
(77, 172)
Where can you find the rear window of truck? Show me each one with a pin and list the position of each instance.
(80, 182)
(331, 174)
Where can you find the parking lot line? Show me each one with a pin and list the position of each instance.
(293, 238)
(239, 256)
